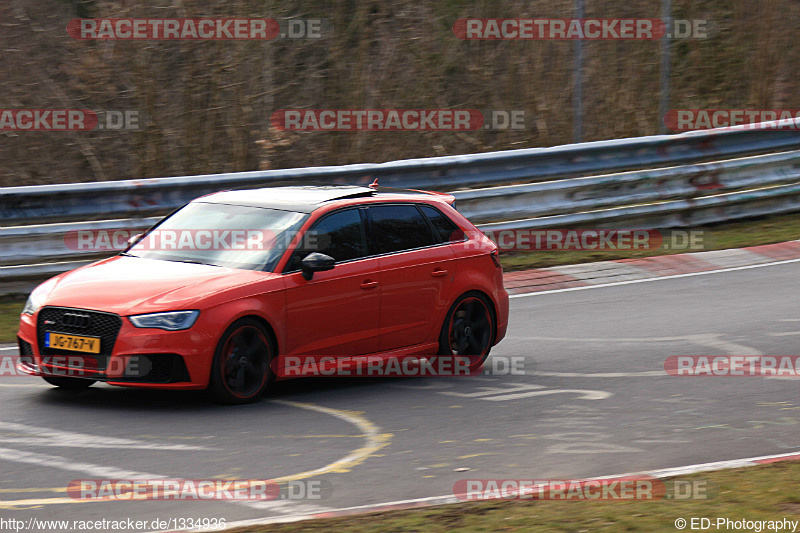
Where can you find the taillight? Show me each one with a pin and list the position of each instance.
(496, 259)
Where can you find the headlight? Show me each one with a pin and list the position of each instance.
(36, 299)
(170, 321)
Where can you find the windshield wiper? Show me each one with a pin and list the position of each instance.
(190, 261)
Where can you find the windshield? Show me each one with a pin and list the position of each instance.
(236, 236)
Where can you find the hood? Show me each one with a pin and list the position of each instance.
(132, 285)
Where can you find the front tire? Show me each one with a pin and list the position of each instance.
(469, 329)
(69, 383)
(240, 371)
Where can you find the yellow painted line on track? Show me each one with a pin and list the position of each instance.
(51, 489)
(314, 437)
(375, 441)
(477, 455)
(22, 504)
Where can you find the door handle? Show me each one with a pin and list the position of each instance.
(368, 284)
(438, 273)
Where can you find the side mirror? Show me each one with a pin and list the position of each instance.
(316, 262)
(133, 240)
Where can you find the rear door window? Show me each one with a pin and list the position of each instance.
(445, 228)
(394, 228)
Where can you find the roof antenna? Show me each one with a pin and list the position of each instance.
(374, 184)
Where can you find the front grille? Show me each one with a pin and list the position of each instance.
(155, 368)
(70, 321)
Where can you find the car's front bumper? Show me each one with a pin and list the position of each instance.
(143, 358)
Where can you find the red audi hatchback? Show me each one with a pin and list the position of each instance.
(210, 296)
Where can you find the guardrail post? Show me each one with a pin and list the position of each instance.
(577, 91)
(663, 107)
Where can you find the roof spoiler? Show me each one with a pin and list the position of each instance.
(447, 197)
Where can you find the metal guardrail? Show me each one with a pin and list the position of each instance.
(679, 195)
(674, 214)
(23, 245)
(592, 193)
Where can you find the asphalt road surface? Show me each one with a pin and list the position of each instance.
(594, 400)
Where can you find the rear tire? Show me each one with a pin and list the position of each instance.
(69, 383)
(240, 371)
(469, 329)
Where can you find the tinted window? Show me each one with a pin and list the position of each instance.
(445, 227)
(338, 235)
(399, 227)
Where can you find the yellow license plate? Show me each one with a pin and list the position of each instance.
(72, 342)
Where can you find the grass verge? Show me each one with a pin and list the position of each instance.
(10, 308)
(758, 493)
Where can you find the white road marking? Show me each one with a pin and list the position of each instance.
(427, 386)
(645, 373)
(590, 447)
(523, 390)
(53, 437)
(488, 391)
(732, 348)
(584, 394)
(673, 276)
(711, 340)
(63, 463)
